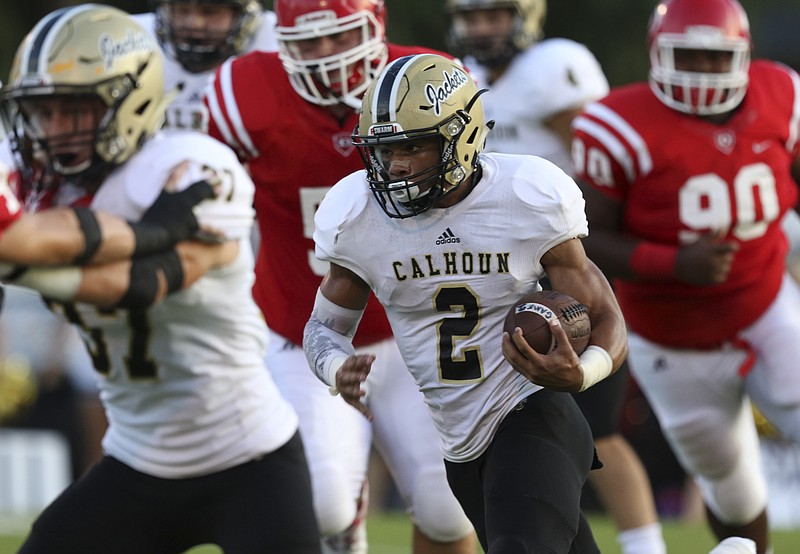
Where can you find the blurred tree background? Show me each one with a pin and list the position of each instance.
(615, 30)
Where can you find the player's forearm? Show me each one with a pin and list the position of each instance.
(123, 284)
(608, 324)
(118, 240)
(136, 283)
(65, 236)
(148, 280)
(608, 331)
(612, 252)
(81, 236)
(328, 336)
(51, 237)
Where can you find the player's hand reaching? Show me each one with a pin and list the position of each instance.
(707, 261)
(349, 380)
(558, 370)
(173, 211)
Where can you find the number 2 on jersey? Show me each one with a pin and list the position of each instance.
(469, 365)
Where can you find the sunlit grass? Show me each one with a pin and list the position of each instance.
(391, 534)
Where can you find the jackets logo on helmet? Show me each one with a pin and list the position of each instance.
(110, 49)
(436, 95)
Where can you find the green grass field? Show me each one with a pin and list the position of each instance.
(391, 534)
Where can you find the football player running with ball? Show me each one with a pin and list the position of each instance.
(201, 448)
(536, 88)
(301, 104)
(688, 179)
(517, 452)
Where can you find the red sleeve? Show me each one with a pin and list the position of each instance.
(592, 160)
(10, 209)
(233, 99)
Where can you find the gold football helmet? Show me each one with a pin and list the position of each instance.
(87, 57)
(418, 97)
(203, 50)
(493, 51)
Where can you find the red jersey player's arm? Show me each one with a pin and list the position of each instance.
(61, 236)
(561, 124)
(706, 261)
(55, 237)
(230, 105)
(606, 245)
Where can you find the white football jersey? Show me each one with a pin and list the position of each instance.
(187, 111)
(447, 277)
(549, 77)
(184, 383)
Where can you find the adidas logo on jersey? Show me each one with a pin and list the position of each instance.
(448, 238)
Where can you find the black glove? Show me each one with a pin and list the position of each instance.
(170, 219)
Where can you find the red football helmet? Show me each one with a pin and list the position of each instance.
(337, 78)
(714, 25)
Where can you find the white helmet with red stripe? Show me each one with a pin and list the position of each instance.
(712, 25)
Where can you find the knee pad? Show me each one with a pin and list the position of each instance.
(733, 487)
(725, 461)
(334, 503)
(740, 496)
(435, 511)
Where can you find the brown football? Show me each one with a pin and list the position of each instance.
(533, 313)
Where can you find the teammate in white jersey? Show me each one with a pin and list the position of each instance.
(536, 88)
(517, 453)
(201, 447)
(196, 36)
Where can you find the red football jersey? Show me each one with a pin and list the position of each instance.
(10, 209)
(680, 176)
(295, 151)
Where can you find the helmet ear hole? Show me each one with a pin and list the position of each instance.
(142, 107)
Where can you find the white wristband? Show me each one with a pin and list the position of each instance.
(596, 364)
(330, 374)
